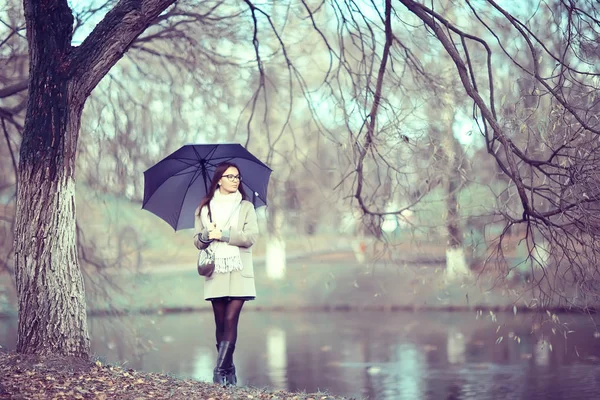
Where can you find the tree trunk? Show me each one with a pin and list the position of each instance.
(275, 257)
(456, 263)
(51, 296)
(450, 149)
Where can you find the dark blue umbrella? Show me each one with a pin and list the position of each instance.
(174, 187)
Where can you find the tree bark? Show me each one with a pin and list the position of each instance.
(51, 295)
(452, 222)
(456, 262)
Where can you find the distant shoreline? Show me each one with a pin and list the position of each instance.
(342, 308)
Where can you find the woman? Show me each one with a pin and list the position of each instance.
(226, 221)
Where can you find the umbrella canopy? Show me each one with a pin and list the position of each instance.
(174, 187)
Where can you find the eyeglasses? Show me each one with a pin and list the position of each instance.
(232, 177)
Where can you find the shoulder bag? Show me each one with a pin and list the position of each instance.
(206, 257)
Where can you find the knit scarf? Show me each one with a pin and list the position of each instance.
(225, 211)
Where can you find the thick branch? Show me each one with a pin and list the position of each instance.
(111, 38)
(13, 89)
(417, 9)
(12, 155)
(536, 69)
(389, 39)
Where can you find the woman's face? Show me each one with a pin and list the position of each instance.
(230, 180)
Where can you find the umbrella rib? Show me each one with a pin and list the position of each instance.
(251, 157)
(204, 163)
(225, 159)
(187, 161)
(180, 173)
(208, 156)
(190, 183)
(228, 158)
(183, 173)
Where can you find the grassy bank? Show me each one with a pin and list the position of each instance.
(123, 235)
(151, 268)
(325, 281)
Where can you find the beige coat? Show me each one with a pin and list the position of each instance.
(235, 283)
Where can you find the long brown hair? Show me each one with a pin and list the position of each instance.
(219, 171)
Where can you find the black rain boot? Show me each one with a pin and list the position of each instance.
(219, 371)
(229, 368)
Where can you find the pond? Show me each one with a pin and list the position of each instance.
(370, 355)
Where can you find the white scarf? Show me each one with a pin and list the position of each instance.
(225, 213)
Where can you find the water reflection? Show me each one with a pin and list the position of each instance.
(411, 368)
(542, 352)
(204, 363)
(364, 355)
(456, 346)
(277, 358)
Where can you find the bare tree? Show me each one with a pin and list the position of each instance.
(541, 179)
(553, 180)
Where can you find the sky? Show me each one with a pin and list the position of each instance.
(79, 6)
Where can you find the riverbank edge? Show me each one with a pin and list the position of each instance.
(26, 376)
(342, 308)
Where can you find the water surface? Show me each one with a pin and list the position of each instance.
(376, 355)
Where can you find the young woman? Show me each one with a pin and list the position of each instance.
(226, 221)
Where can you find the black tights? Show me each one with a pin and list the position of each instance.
(227, 314)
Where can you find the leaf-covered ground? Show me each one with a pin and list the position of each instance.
(54, 377)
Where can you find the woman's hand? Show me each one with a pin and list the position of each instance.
(214, 233)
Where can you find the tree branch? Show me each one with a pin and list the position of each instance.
(389, 39)
(111, 38)
(14, 89)
(12, 155)
(509, 147)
